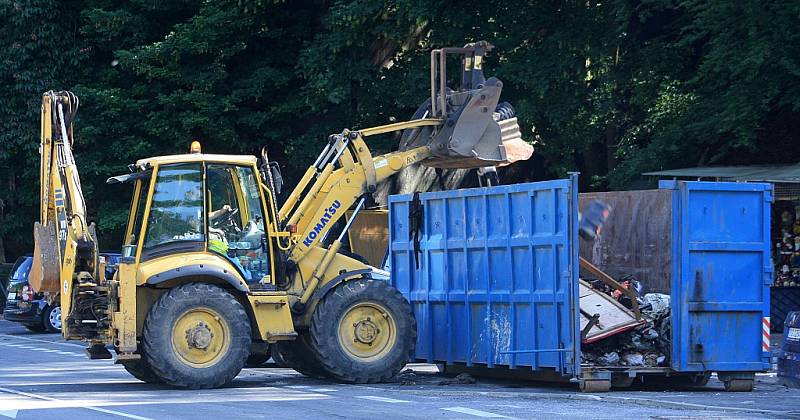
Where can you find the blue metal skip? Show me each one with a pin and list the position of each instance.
(496, 282)
(497, 278)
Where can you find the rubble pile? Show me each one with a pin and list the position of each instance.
(647, 345)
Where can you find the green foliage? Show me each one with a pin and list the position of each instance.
(612, 89)
(32, 60)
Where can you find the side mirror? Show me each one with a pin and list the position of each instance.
(271, 172)
(277, 178)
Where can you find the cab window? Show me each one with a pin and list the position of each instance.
(176, 210)
(141, 202)
(236, 219)
(248, 184)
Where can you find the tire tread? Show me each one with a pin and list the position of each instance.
(153, 336)
(323, 342)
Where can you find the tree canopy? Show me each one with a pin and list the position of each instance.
(611, 89)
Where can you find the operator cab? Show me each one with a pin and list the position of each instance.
(199, 203)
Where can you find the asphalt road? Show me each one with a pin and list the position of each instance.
(44, 377)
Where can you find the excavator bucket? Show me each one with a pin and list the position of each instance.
(44, 275)
(478, 130)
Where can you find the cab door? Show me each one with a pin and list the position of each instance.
(236, 221)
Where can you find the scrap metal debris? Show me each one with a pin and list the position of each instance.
(627, 292)
(633, 359)
(646, 345)
(602, 315)
(607, 307)
(609, 359)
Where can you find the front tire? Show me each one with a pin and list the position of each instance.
(363, 331)
(197, 336)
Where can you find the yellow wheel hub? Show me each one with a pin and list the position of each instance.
(367, 331)
(200, 337)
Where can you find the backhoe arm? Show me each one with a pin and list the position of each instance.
(65, 245)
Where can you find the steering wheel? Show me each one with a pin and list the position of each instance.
(226, 218)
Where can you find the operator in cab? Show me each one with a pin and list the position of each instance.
(215, 215)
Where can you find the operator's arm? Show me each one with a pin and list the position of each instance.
(216, 214)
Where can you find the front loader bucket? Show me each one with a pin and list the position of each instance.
(476, 131)
(45, 274)
(472, 137)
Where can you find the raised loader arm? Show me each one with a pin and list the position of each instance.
(456, 128)
(462, 128)
(312, 212)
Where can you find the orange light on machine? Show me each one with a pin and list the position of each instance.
(195, 147)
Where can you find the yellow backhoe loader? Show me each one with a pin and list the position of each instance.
(214, 272)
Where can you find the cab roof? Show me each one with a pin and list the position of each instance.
(247, 160)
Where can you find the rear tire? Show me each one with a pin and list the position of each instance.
(363, 331)
(197, 336)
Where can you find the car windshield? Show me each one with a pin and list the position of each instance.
(21, 269)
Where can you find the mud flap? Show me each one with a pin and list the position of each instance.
(45, 272)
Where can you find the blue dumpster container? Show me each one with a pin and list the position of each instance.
(492, 274)
(789, 356)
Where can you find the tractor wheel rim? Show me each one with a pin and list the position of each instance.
(55, 318)
(367, 331)
(200, 337)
